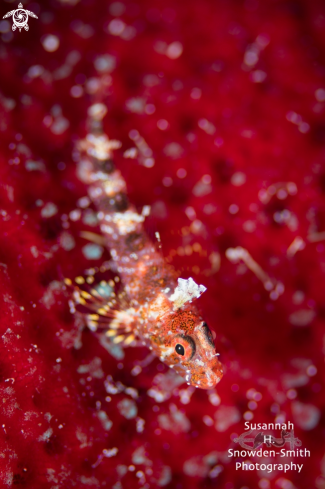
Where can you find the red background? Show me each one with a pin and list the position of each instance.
(244, 101)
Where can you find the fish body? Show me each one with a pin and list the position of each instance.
(154, 308)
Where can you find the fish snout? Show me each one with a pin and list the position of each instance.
(208, 377)
(218, 370)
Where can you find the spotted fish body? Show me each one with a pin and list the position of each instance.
(155, 309)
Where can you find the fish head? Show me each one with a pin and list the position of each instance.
(188, 347)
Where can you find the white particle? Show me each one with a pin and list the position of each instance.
(97, 111)
(191, 137)
(258, 76)
(173, 150)
(248, 415)
(196, 93)
(106, 422)
(207, 420)
(306, 416)
(302, 317)
(206, 179)
(167, 182)
(279, 288)
(294, 117)
(162, 124)
(298, 297)
(136, 105)
(75, 215)
(149, 162)
(35, 71)
(116, 9)
(280, 418)
(190, 212)
(146, 210)
(274, 295)
(4, 26)
(202, 188)
(238, 178)
(174, 50)
(46, 435)
(83, 202)
(83, 30)
(292, 188)
(131, 153)
(105, 63)
(282, 194)
(92, 85)
(49, 210)
(134, 134)
(311, 370)
(207, 126)
(136, 370)
(215, 471)
(92, 251)
(249, 226)
(262, 40)
(291, 394)
(129, 33)
(304, 127)
(214, 399)
(116, 27)
(181, 173)
(150, 109)
(233, 209)
(67, 241)
(251, 56)
(110, 452)
(320, 95)
(31, 165)
(60, 125)
(247, 133)
(76, 91)
(50, 43)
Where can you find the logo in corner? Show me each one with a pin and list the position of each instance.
(269, 440)
(276, 447)
(20, 18)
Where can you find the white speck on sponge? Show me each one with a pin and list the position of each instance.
(186, 291)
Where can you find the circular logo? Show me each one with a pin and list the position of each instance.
(20, 18)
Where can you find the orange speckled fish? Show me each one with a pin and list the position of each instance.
(153, 309)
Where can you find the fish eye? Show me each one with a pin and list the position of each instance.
(207, 333)
(185, 347)
(180, 349)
